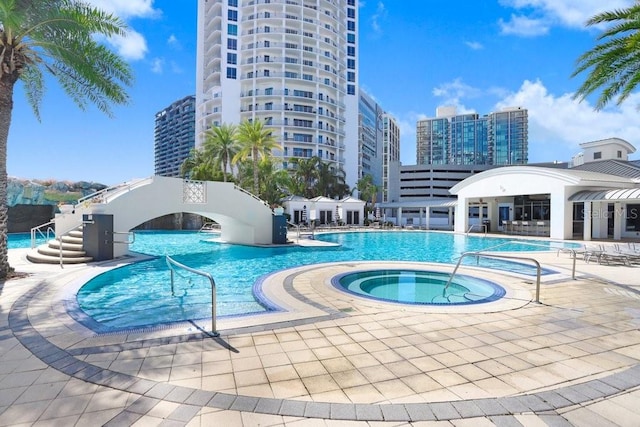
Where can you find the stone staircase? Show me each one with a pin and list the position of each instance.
(72, 251)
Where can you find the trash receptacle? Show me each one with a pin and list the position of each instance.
(487, 224)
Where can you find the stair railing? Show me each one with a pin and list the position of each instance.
(59, 239)
(38, 231)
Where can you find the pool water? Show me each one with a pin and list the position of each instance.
(22, 240)
(419, 287)
(140, 294)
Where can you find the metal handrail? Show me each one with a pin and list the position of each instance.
(125, 242)
(252, 195)
(59, 239)
(171, 263)
(114, 188)
(297, 226)
(37, 229)
(484, 226)
(479, 254)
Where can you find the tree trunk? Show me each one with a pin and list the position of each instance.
(256, 176)
(6, 106)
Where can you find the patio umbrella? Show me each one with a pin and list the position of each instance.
(377, 213)
(337, 213)
(304, 214)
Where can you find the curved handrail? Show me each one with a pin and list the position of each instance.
(479, 254)
(114, 189)
(252, 195)
(171, 263)
(37, 229)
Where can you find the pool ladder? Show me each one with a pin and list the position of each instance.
(479, 255)
(171, 263)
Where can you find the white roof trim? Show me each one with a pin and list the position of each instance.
(617, 194)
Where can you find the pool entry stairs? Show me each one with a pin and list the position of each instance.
(72, 250)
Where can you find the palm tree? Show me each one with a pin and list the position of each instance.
(198, 166)
(220, 144)
(614, 65)
(306, 174)
(331, 181)
(60, 37)
(368, 190)
(256, 142)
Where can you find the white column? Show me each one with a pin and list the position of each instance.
(450, 219)
(588, 215)
(399, 220)
(617, 221)
(427, 217)
(462, 215)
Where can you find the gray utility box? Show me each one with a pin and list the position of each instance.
(279, 230)
(97, 236)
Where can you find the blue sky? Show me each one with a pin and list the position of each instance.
(415, 55)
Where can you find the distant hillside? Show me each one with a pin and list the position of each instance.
(48, 192)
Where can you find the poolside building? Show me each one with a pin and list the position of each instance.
(174, 136)
(599, 199)
(323, 211)
(290, 64)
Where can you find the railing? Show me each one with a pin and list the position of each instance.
(171, 263)
(252, 195)
(484, 227)
(209, 226)
(59, 239)
(479, 254)
(130, 234)
(109, 191)
(297, 227)
(38, 230)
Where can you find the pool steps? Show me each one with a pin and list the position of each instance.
(72, 251)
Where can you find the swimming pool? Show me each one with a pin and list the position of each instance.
(139, 294)
(22, 240)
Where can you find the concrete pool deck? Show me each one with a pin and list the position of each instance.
(333, 359)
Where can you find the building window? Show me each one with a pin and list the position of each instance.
(351, 13)
(351, 25)
(619, 154)
(232, 15)
(267, 58)
(268, 91)
(266, 73)
(351, 76)
(351, 64)
(268, 106)
(351, 51)
(232, 58)
(232, 44)
(351, 2)
(234, 3)
(351, 89)
(231, 73)
(232, 29)
(351, 38)
(597, 155)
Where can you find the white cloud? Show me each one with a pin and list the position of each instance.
(474, 45)
(523, 26)
(126, 9)
(174, 42)
(176, 68)
(540, 14)
(157, 65)
(558, 123)
(132, 47)
(453, 92)
(381, 13)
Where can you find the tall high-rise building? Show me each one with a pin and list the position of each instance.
(390, 159)
(174, 136)
(499, 138)
(291, 64)
(370, 138)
